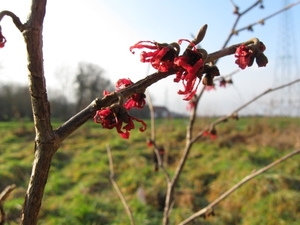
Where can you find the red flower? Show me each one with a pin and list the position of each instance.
(2, 39)
(136, 100)
(149, 143)
(243, 55)
(162, 56)
(209, 88)
(188, 66)
(123, 83)
(114, 117)
(222, 82)
(212, 134)
(106, 118)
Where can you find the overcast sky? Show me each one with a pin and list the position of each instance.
(101, 32)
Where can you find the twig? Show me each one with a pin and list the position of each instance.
(224, 118)
(188, 146)
(3, 195)
(169, 202)
(151, 109)
(209, 208)
(156, 150)
(262, 21)
(116, 187)
(239, 15)
(227, 75)
(16, 20)
(190, 141)
(160, 163)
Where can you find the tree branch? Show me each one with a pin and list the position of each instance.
(45, 140)
(239, 15)
(116, 187)
(191, 140)
(209, 208)
(3, 195)
(16, 20)
(153, 141)
(224, 118)
(262, 21)
(83, 116)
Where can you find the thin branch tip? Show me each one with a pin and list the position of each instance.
(16, 20)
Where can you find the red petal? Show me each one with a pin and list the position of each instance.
(139, 45)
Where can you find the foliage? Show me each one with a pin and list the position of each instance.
(79, 190)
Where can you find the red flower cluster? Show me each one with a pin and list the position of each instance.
(134, 101)
(191, 67)
(2, 39)
(188, 65)
(114, 117)
(245, 56)
(162, 56)
(212, 133)
(117, 114)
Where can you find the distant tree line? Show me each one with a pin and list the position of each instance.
(89, 83)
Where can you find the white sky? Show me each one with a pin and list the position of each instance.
(101, 32)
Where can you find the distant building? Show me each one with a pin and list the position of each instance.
(161, 112)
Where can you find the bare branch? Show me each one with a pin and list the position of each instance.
(16, 20)
(151, 109)
(262, 21)
(3, 195)
(239, 15)
(209, 208)
(223, 118)
(160, 163)
(171, 186)
(45, 140)
(190, 141)
(153, 141)
(227, 75)
(116, 187)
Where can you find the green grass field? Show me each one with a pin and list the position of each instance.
(79, 190)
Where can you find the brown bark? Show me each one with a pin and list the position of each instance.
(45, 144)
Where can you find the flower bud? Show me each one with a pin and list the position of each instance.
(207, 80)
(261, 60)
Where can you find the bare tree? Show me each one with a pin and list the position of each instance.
(89, 82)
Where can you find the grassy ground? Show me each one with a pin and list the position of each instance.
(79, 191)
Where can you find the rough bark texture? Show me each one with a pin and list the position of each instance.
(45, 144)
